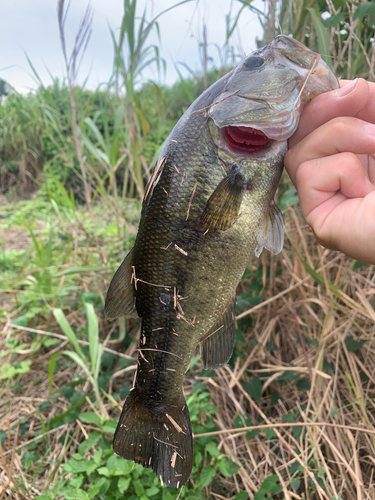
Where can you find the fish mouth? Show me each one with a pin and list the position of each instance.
(244, 139)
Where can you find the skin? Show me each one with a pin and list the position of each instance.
(331, 162)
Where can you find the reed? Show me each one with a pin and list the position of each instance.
(292, 415)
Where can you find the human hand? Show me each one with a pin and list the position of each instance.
(331, 161)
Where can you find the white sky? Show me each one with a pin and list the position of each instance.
(30, 26)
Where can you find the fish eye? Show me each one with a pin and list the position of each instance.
(254, 62)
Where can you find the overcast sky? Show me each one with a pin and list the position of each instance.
(30, 26)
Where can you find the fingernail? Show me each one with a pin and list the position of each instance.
(348, 89)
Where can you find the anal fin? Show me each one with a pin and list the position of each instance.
(120, 295)
(217, 347)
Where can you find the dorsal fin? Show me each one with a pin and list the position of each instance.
(120, 295)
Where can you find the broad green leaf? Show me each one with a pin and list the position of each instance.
(353, 345)
(295, 483)
(109, 426)
(90, 442)
(8, 370)
(154, 490)
(322, 36)
(123, 484)
(168, 496)
(90, 418)
(93, 491)
(270, 486)
(297, 431)
(198, 459)
(289, 417)
(227, 467)
(76, 466)
(212, 449)
(139, 489)
(77, 495)
(206, 476)
(118, 466)
(333, 21)
(96, 152)
(270, 434)
(242, 495)
(328, 367)
(104, 471)
(288, 199)
(358, 264)
(364, 9)
(21, 321)
(253, 388)
(303, 385)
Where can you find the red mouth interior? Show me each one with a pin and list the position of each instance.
(245, 139)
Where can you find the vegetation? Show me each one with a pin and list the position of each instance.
(291, 416)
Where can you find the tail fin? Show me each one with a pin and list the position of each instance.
(156, 437)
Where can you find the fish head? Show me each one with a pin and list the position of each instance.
(263, 97)
(251, 117)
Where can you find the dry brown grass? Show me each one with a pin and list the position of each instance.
(335, 451)
(337, 413)
(307, 312)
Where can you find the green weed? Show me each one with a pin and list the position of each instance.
(305, 360)
(90, 365)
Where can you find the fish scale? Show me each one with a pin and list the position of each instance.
(208, 207)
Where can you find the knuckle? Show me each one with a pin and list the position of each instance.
(339, 125)
(304, 171)
(350, 158)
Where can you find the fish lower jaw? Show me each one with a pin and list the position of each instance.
(258, 140)
(273, 150)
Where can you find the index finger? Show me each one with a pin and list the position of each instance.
(343, 134)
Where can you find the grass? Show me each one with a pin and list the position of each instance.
(292, 414)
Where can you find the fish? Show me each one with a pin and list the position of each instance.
(208, 206)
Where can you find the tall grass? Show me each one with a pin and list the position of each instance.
(71, 65)
(115, 125)
(343, 32)
(292, 416)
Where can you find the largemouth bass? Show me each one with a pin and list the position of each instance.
(208, 207)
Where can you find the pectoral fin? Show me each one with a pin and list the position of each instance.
(120, 295)
(223, 206)
(271, 235)
(217, 347)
